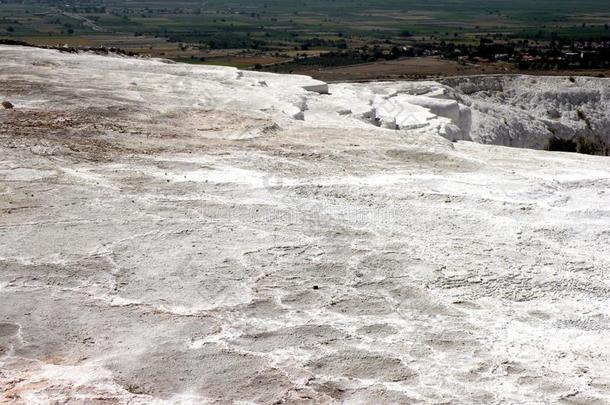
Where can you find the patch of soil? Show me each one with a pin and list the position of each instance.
(71, 131)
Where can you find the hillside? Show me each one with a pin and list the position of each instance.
(180, 234)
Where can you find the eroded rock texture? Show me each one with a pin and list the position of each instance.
(179, 234)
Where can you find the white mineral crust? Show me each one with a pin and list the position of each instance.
(178, 234)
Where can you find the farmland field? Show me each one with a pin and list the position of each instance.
(263, 32)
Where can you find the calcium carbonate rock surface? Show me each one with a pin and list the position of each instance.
(177, 234)
(532, 112)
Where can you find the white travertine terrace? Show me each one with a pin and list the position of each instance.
(186, 234)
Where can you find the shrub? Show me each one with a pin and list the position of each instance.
(561, 145)
(588, 148)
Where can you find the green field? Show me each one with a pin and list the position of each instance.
(191, 29)
(282, 23)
